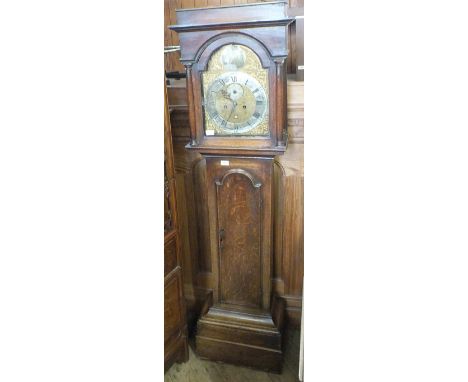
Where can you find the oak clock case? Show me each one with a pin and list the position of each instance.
(236, 88)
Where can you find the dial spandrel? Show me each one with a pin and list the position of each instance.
(235, 93)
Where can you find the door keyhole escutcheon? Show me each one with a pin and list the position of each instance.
(221, 238)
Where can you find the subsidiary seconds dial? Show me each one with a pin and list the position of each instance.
(236, 102)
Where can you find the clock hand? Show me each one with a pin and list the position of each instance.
(226, 95)
(234, 105)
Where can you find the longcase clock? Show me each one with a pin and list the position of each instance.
(236, 88)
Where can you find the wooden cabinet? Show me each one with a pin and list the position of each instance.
(243, 324)
(175, 327)
(172, 63)
(239, 199)
(235, 59)
(288, 219)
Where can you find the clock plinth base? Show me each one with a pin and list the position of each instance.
(242, 336)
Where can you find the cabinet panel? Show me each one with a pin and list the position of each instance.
(172, 307)
(239, 238)
(170, 255)
(239, 198)
(175, 327)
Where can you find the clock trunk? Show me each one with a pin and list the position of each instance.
(242, 324)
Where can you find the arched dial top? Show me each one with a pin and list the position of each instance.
(235, 87)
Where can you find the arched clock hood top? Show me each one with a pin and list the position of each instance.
(255, 19)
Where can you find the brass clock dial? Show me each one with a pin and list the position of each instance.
(235, 93)
(236, 102)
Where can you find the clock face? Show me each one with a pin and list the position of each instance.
(235, 93)
(236, 102)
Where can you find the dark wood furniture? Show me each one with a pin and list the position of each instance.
(242, 319)
(172, 63)
(288, 220)
(175, 327)
(298, 32)
(198, 370)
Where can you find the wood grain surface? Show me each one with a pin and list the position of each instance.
(172, 63)
(239, 216)
(288, 196)
(175, 323)
(199, 370)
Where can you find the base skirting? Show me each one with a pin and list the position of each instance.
(242, 336)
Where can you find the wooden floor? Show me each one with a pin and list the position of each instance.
(197, 370)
